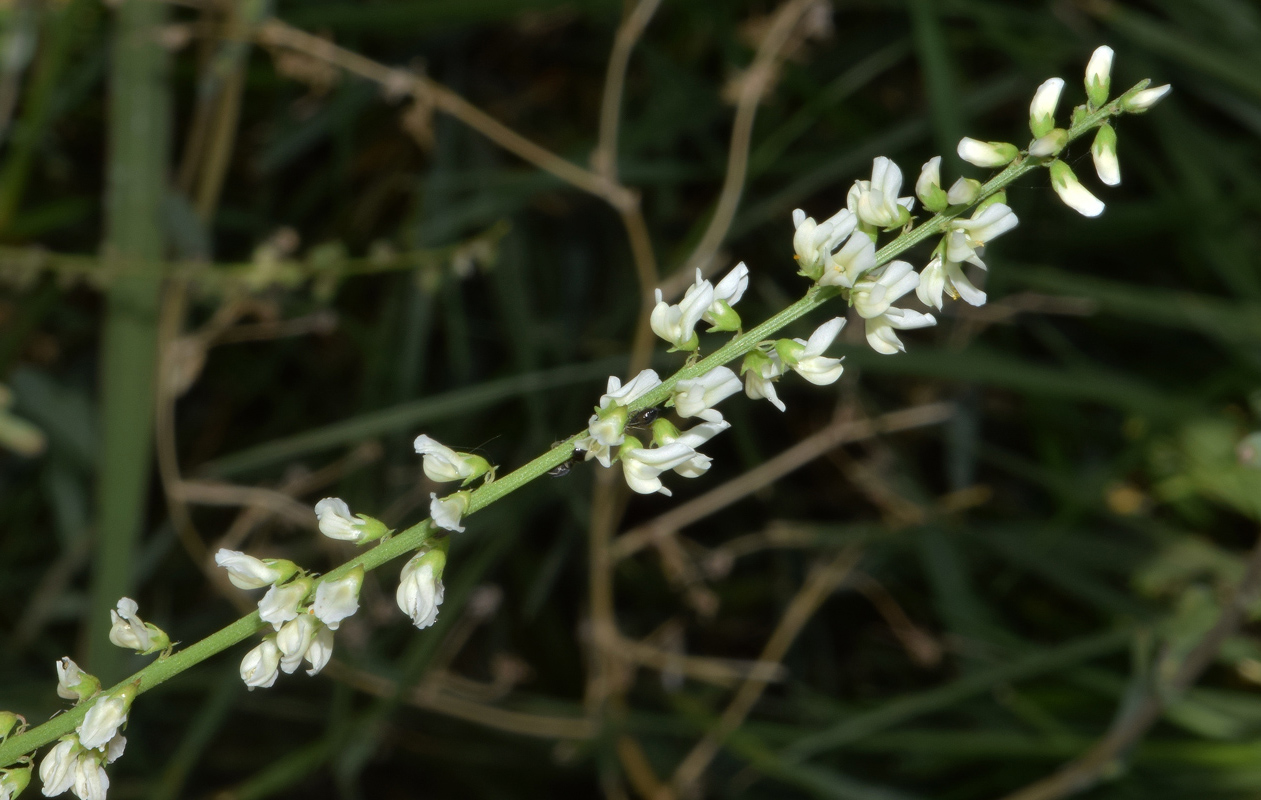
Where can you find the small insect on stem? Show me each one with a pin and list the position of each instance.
(643, 418)
(562, 469)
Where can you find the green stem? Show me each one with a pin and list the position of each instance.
(416, 536)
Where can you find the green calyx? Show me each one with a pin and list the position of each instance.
(726, 318)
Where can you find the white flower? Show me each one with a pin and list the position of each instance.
(1042, 109)
(944, 275)
(442, 464)
(247, 572)
(676, 323)
(320, 651)
(760, 371)
(105, 716)
(880, 329)
(114, 750)
(281, 603)
(593, 448)
(56, 771)
(90, 780)
(968, 237)
(876, 201)
(642, 465)
(606, 426)
(447, 511)
(1099, 75)
(928, 185)
(696, 397)
(872, 297)
(814, 242)
(1104, 153)
(261, 665)
(1074, 195)
(963, 191)
(806, 357)
(635, 388)
(720, 315)
(73, 683)
(694, 437)
(1141, 101)
(420, 589)
(336, 521)
(129, 631)
(293, 640)
(850, 262)
(337, 599)
(987, 154)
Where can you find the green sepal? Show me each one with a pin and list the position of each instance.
(726, 319)
(664, 432)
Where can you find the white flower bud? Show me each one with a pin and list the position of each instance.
(720, 315)
(1049, 144)
(1042, 109)
(1141, 101)
(337, 599)
(1104, 153)
(247, 572)
(336, 522)
(1099, 76)
(963, 192)
(56, 771)
(73, 683)
(1074, 195)
(320, 651)
(420, 589)
(105, 716)
(294, 639)
(676, 323)
(928, 185)
(806, 357)
(987, 154)
(696, 397)
(281, 603)
(760, 370)
(90, 780)
(261, 665)
(442, 464)
(447, 512)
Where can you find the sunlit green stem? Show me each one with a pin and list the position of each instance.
(415, 536)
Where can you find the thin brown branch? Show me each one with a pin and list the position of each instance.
(725, 672)
(817, 444)
(604, 157)
(817, 588)
(1084, 772)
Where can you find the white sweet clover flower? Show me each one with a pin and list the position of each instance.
(1070, 190)
(721, 315)
(813, 242)
(848, 264)
(90, 780)
(942, 275)
(1142, 101)
(641, 465)
(130, 632)
(294, 639)
(761, 370)
(420, 589)
(114, 750)
(805, 357)
(928, 186)
(987, 154)
(56, 771)
(696, 397)
(261, 665)
(104, 718)
(282, 603)
(320, 650)
(609, 420)
(664, 433)
(443, 464)
(1042, 109)
(591, 448)
(1099, 76)
(14, 781)
(1104, 153)
(968, 237)
(336, 522)
(73, 683)
(248, 572)
(676, 323)
(447, 511)
(963, 191)
(335, 600)
(876, 201)
(873, 299)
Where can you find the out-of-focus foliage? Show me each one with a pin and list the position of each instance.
(373, 271)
